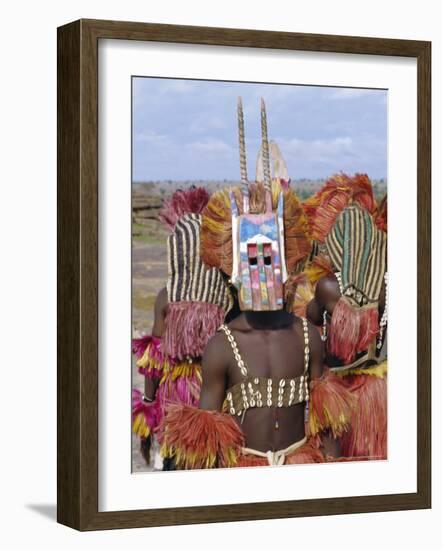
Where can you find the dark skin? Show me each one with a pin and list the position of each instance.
(160, 310)
(150, 386)
(271, 344)
(327, 295)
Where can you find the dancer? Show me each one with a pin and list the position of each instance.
(188, 311)
(350, 302)
(262, 368)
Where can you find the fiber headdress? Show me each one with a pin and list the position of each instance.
(256, 233)
(338, 192)
(358, 251)
(152, 358)
(198, 298)
(344, 221)
(182, 202)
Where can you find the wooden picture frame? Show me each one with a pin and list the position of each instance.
(77, 461)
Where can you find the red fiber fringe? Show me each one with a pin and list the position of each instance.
(330, 405)
(189, 326)
(352, 329)
(307, 454)
(381, 218)
(199, 438)
(188, 201)
(368, 434)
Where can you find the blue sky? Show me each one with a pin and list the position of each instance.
(187, 129)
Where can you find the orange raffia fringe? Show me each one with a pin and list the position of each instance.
(301, 289)
(338, 192)
(330, 405)
(368, 434)
(318, 268)
(216, 229)
(352, 329)
(199, 439)
(298, 293)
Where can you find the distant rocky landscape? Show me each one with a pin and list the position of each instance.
(304, 187)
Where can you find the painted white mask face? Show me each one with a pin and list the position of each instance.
(259, 270)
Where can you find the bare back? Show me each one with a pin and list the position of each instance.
(272, 346)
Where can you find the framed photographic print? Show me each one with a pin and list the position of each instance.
(228, 276)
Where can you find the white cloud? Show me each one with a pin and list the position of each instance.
(210, 146)
(190, 127)
(319, 150)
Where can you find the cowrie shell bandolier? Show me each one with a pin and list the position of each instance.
(255, 391)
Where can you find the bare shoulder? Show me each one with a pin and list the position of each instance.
(215, 357)
(216, 343)
(326, 287)
(216, 348)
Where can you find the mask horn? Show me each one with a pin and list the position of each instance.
(266, 156)
(242, 158)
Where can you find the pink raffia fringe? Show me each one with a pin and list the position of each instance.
(351, 330)
(139, 345)
(181, 386)
(151, 361)
(189, 326)
(145, 416)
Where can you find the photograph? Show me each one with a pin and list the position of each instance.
(259, 274)
(221, 262)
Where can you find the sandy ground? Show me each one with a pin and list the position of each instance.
(149, 273)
